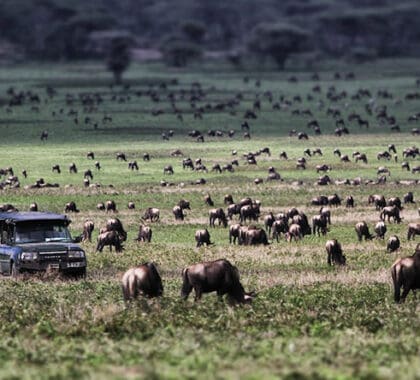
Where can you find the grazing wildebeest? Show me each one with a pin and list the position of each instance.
(268, 222)
(73, 168)
(250, 212)
(349, 201)
(228, 199)
(294, 232)
(152, 214)
(110, 238)
(408, 198)
(90, 155)
(362, 230)
(378, 200)
(88, 228)
(142, 280)
(280, 226)
(217, 213)
(393, 243)
(187, 163)
(322, 168)
(88, 174)
(121, 156)
(385, 155)
(71, 207)
(56, 168)
(394, 201)
(234, 233)
(131, 205)
(413, 230)
(254, 235)
(146, 157)
(101, 206)
(144, 234)
(214, 276)
(97, 165)
(334, 200)
(44, 135)
(208, 201)
(185, 205)
(319, 200)
(380, 230)
(335, 253)
(319, 224)
(391, 212)
(202, 237)
(178, 213)
(324, 180)
(168, 169)
(133, 165)
(406, 274)
(33, 207)
(110, 206)
(383, 170)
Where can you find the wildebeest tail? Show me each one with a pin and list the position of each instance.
(186, 285)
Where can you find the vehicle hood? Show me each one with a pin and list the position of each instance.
(49, 247)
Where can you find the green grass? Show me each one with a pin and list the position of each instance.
(309, 321)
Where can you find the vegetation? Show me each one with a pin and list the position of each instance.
(308, 321)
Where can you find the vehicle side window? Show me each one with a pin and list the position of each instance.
(6, 233)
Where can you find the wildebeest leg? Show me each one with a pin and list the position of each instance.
(405, 292)
(198, 293)
(329, 258)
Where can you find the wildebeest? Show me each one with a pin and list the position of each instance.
(131, 205)
(324, 180)
(202, 237)
(152, 214)
(88, 228)
(234, 233)
(121, 156)
(377, 200)
(335, 253)
(408, 198)
(73, 168)
(319, 200)
(250, 212)
(33, 207)
(144, 234)
(44, 135)
(406, 275)
(349, 201)
(109, 238)
(334, 200)
(214, 276)
(268, 221)
(71, 207)
(362, 230)
(253, 235)
(280, 226)
(228, 199)
(319, 224)
(208, 201)
(142, 280)
(413, 230)
(217, 213)
(391, 212)
(393, 243)
(100, 206)
(168, 169)
(294, 232)
(90, 155)
(56, 168)
(110, 206)
(178, 213)
(380, 230)
(322, 168)
(185, 205)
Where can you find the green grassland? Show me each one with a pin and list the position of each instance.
(309, 321)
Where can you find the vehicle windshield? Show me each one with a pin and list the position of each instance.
(42, 232)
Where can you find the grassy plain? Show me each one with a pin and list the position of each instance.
(309, 321)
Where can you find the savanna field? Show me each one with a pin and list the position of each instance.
(308, 320)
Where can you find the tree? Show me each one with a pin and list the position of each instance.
(178, 52)
(194, 30)
(118, 57)
(277, 41)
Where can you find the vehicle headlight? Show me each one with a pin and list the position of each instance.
(76, 254)
(29, 256)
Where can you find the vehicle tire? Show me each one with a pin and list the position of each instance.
(81, 274)
(14, 272)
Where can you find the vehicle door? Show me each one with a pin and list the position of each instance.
(6, 249)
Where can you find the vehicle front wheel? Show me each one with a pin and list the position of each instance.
(14, 272)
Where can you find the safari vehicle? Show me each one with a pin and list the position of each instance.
(37, 241)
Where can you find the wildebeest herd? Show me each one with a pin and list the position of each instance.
(242, 218)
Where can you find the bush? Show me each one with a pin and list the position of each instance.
(178, 52)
